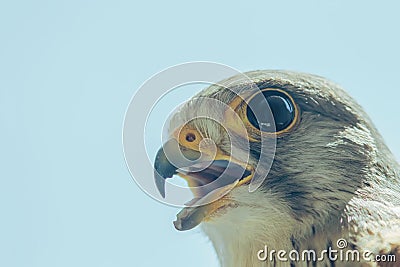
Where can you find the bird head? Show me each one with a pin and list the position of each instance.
(319, 144)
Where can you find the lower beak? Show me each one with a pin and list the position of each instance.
(190, 217)
(209, 185)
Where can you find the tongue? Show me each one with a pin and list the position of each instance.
(191, 216)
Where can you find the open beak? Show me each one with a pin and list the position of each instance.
(209, 180)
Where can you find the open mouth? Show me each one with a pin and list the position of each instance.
(206, 177)
(209, 181)
(209, 186)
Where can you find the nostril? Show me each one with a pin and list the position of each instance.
(190, 137)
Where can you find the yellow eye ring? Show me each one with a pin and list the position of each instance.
(284, 113)
(282, 107)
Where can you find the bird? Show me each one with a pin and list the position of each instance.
(325, 173)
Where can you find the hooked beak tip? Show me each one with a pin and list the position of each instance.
(163, 169)
(160, 183)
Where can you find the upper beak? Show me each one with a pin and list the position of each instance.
(210, 183)
(203, 175)
(163, 168)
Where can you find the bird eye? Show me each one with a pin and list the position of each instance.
(282, 113)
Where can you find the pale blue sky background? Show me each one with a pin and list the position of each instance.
(69, 68)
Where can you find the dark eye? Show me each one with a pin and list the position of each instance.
(282, 109)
